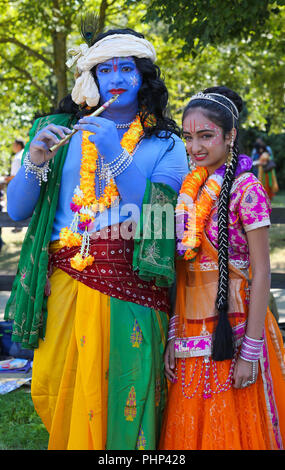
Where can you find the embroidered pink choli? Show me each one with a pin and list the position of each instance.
(249, 209)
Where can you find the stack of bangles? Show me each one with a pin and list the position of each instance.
(250, 352)
(118, 165)
(172, 328)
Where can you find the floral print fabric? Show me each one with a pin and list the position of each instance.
(249, 209)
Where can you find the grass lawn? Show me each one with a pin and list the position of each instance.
(20, 426)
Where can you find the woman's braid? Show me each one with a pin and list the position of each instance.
(223, 346)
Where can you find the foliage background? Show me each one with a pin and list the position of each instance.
(199, 43)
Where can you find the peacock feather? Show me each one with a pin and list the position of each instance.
(89, 27)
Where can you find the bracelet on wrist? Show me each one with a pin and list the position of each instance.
(251, 349)
(171, 337)
(117, 166)
(172, 327)
(40, 172)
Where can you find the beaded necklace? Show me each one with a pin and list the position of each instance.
(124, 125)
(85, 205)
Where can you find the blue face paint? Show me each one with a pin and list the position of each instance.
(119, 75)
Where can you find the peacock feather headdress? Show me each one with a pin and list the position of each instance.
(89, 27)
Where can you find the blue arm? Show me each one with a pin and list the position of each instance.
(22, 195)
(169, 169)
(131, 185)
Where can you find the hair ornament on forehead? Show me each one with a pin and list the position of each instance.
(210, 97)
(115, 45)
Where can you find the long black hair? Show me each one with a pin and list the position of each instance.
(152, 96)
(223, 345)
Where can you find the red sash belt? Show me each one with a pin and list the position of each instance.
(111, 273)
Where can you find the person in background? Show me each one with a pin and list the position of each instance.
(18, 150)
(255, 154)
(266, 171)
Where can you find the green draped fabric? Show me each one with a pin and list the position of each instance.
(136, 382)
(154, 245)
(27, 303)
(153, 258)
(136, 385)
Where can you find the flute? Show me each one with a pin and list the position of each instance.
(96, 113)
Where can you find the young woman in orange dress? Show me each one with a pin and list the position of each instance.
(225, 354)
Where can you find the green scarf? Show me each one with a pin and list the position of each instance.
(153, 258)
(27, 305)
(154, 244)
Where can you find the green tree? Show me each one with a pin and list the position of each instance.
(202, 22)
(35, 37)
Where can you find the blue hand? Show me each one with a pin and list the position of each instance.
(104, 135)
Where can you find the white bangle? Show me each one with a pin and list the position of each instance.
(40, 172)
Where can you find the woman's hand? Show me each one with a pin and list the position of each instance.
(104, 135)
(43, 140)
(169, 361)
(243, 373)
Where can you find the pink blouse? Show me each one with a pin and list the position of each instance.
(249, 209)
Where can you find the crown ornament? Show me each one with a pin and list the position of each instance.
(211, 97)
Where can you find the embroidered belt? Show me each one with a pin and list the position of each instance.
(195, 346)
(112, 273)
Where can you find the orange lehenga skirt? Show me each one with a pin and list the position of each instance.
(204, 411)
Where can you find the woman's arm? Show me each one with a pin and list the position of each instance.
(258, 243)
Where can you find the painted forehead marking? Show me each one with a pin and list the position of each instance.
(118, 60)
(195, 126)
(115, 63)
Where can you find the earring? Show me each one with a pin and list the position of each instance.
(192, 164)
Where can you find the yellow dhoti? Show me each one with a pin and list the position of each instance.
(70, 377)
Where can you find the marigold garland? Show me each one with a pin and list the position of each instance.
(195, 211)
(84, 203)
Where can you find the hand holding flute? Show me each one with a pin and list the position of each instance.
(44, 139)
(47, 141)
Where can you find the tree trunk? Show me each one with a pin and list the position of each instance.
(59, 52)
(59, 39)
(102, 14)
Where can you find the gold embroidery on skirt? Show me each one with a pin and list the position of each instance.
(130, 408)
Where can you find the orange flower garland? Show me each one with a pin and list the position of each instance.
(85, 204)
(196, 208)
